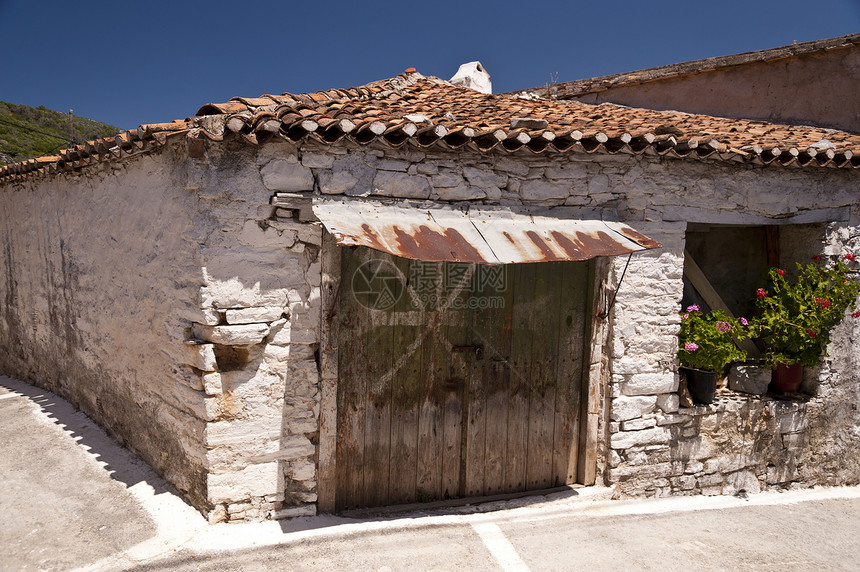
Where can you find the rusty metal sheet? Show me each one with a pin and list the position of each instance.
(549, 235)
(436, 235)
(476, 234)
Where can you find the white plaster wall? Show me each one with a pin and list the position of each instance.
(100, 274)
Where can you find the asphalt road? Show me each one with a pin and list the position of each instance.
(72, 498)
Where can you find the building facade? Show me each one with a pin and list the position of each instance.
(411, 291)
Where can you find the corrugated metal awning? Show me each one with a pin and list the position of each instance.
(476, 234)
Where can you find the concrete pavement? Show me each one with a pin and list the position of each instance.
(72, 498)
(71, 495)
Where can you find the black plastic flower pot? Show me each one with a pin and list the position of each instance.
(702, 385)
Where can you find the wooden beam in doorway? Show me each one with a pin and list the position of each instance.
(703, 286)
(772, 245)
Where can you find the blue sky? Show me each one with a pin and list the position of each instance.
(127, 63)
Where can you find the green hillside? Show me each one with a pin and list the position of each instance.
(27, 132)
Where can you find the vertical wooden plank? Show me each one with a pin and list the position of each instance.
(350, 391)
(406, 348)
(330, 257)
(700, 282)
(378, 355)
(480, 334)
(542, 374)
(772, 245)
(455, 301)
(434, 365)
(569, 370)
(586, 463)
(518, 402)
(497, 376)
(345, 450)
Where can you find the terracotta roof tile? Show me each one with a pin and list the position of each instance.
(428, 111)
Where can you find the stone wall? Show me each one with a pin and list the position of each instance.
(737, 444)
(172, 301)
(742, 442)
(255, 345)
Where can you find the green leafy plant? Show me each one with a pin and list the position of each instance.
(707, 341)
(795, 317)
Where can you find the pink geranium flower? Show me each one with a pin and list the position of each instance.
(694, 308)
(690, 346)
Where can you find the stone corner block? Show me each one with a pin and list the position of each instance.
(243, 433)
(624, 408)
(650, 383)
(669, 402)
(627, 439)
(252, 481)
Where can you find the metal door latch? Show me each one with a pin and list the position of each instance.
(478, 350)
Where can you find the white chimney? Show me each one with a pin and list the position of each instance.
(474, 76)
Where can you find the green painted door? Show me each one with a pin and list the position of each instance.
(456, 380)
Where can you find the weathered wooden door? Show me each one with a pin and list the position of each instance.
(456, 380)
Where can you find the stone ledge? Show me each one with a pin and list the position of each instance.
(727, 400)
(238, 335)
(295, 511)
(240, 316)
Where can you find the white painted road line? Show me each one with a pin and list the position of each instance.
(500, 547)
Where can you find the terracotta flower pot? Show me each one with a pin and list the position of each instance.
(702, 385)
(787, 378)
